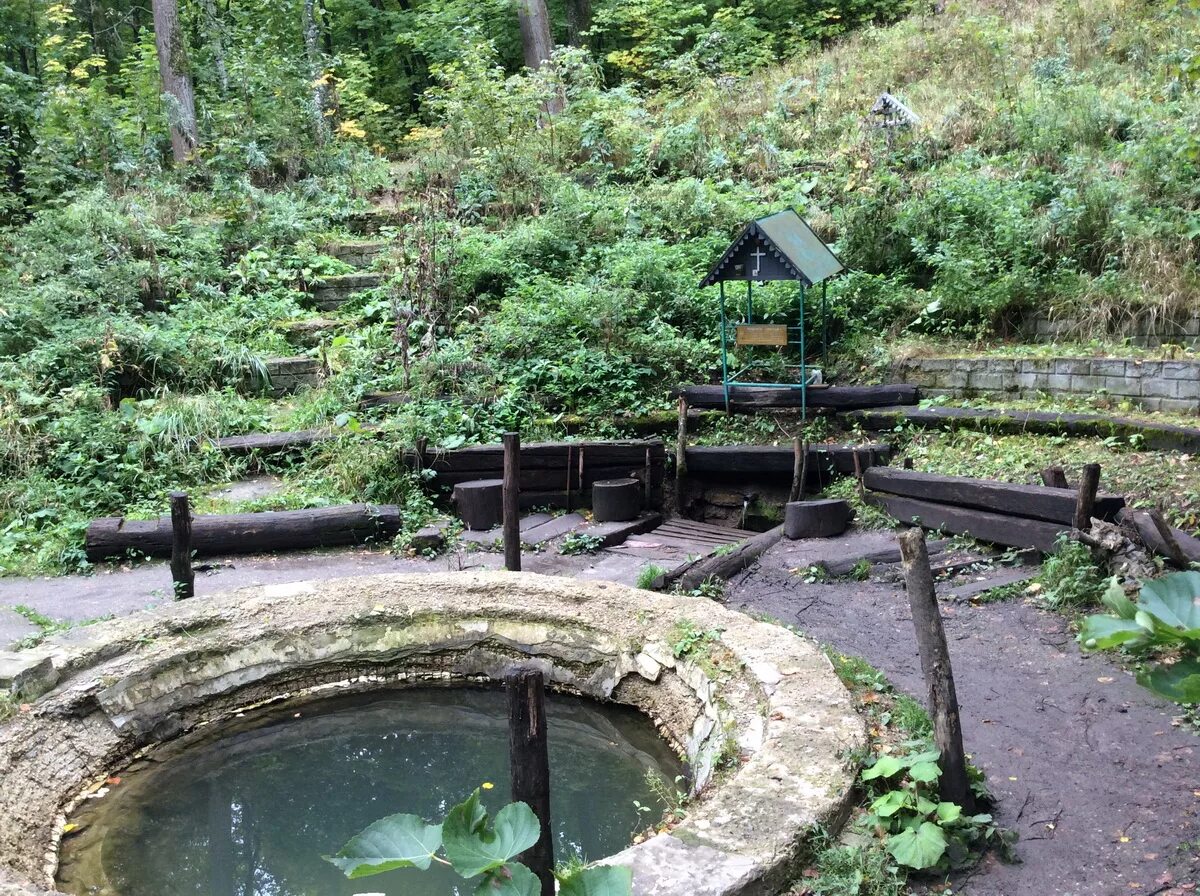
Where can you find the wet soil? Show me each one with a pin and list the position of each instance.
(1090, 770)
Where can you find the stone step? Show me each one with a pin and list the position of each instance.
(357, 253)
(290, 375)
(331, 293)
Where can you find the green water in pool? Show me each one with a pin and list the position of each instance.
(251, 810)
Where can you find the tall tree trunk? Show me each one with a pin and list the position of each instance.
(176, 79)
(537, 41)
(579, 20)
(215, 28)
(312, 48)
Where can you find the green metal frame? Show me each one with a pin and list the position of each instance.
(729, 380)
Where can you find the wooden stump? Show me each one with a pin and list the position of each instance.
(616, 500)
(480, 503)
(816, 519)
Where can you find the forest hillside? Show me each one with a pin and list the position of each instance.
(540, 231)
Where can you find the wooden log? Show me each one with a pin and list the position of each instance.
(816, 519)
(271, 442)
(1145, 526)
(549, 455)
(840, 398)
(1170, 545)
(529, 765)
(1013, 531)
(1034, 501)
(778, 461)
(1085, 501)
(512, 501)
(480, 503)
(693, 574)
(1054, 477)
(681, 457)
(183, 576)
(846, 565)
(616, 500)
(954, 785)
(245, 533)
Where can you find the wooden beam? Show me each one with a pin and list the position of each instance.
(512, 501)
(1034, 501)
(1013, 531)
(183, 576)
(839, 398)
(529, 766)
(693, 574)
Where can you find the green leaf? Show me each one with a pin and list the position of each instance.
(925, 772)
(1179, 681)
(884, 767)
(924, 806)
(1173, 599)
(398, 841)
(919, 848)
(474, 847)
(890, 803)
(1117, 600)
(512, 879)
(1107, 632)
(599, 880)
(947, 812)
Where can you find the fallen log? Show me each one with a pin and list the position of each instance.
(271, 442)
(1036, 501)
(1186, 547)
(246, 533)
(1013, 531)
(836, 398)
(692, 575)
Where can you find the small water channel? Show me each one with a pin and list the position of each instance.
(249, 811)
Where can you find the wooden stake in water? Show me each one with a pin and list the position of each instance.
(512, 501)
(954, 785)
(529, 764)
(182, 575)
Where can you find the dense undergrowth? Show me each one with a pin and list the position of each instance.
(542, 265)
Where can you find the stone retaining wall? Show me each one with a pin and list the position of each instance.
(102, 694)
(333, 292)
(1153, 385)
(290, 375)
(1143, 330)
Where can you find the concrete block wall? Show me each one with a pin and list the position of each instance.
(1153, 385)
(1142, 330)
(290, 375)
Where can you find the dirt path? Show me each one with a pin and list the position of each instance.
(1086, 765)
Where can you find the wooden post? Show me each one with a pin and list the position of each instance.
(512, 501)
(182, 575)
(529, 765)
(1170, 542)
(799, 456)
(681, 456)
(907, 463)
(648, 499)
(954, 785)
(1054, 477)
(422, 446)
(1086, 502)
(859, 469)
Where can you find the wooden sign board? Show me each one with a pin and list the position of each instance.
(762, 334)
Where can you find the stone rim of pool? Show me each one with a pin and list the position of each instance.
(116, 689)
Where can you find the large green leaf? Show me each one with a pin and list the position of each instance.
(474, 847)
(920, 847)
(925, 772)
(513, 879)
(884, 767)
(1117, 600)
(948, 812)
(599, 880)
(1106, 632)
(890, 803)
(1179, 681)
(398, 841)
(1174, 599)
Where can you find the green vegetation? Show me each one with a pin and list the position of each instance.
(46, 625)
(476, 846)
(544, 230)
(1162, 630)
(580, 543)
(647, 575)
(1070, 578)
